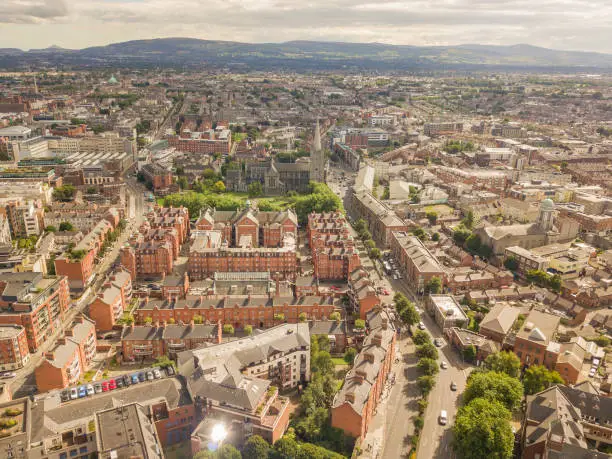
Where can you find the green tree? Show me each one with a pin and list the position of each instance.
(432, 217)
(303, 317)
(482, 429)
(164, 362)
(248, 330)
(64, 193)
(51, 229)
(426, 383)
(555, 283)
(428, 366)
(473, 242)
(349, 355)
(469, 353)
(494, 386)
(421, 337)
(410, 315)
(427, 350)
(286, 447)
(219, 187)
(538, 377)
(461, 234)
(228, 329)
(504, 362)
(375, 253)
(255, 189)
(255, 448)
(197, 319)
(434, 286)
(335, 316)
(360, 225)
(323, 363)
(360, 324)
(435, 237)
(66, 226)
(468, 220)
(228, 451)
(148, 320)
(511, 263)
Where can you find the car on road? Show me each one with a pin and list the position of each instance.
(112, 385)
(438, 342)
(82, 391)
(150, 376)
(421, 326)
(8, 375)
(142, 377)
(443, 418)
(592, 372)
(98, 388)
(65, 396)
(170, 370)
(156, 373)
(135, 379)
(444, 365)
(74, 393)
(90, 389)
(119, 382)
(126, 380)
(453, 386)
(105, 386)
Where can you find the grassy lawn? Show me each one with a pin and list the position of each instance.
(440, 209)
(338, 361)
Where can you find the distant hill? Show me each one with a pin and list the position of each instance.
(312, 55)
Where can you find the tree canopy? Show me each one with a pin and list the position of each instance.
(482, 429)
(494, 386)
(538, 377)
(504, 362)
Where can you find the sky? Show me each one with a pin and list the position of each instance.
(582, 25)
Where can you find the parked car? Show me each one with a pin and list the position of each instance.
(112, 385)
(119, 382)
(74, 393)
(156, 373)
(65, 396)
(82, 391)
(438, 342)
(126, 380)
(170, 370)
(453, 386)
(421, 326)
(8, 375)
(150, 376)
(98, 388)
(142, 377)
(104, 386)
(444, 365)
(135, 379)
(90, 390)
(443, 418)
(592, 372)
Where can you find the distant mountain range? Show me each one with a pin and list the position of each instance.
(306, 55)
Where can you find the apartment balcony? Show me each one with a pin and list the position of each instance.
(176, 346)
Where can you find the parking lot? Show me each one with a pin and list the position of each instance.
(141, 376)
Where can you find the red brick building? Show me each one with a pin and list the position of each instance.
(354, 405)
(77, 264)
(67, 362)
(333, 250)
(362, 294)
(153, 341)
(259, 312)
(35, 302)
(159, 178)
(208, 146)
(14, 352)
(108, 306)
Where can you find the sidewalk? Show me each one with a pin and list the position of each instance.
(391, 422)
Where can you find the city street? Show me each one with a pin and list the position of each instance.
(24, 383)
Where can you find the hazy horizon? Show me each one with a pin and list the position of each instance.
(579, 25)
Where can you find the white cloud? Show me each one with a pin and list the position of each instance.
(560, 24)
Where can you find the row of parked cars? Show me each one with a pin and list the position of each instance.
(87, 390)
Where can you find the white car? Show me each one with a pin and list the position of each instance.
(443, 418)
(90, 390)
(8, 375)
(444, 365)
(592, 372)
(74, 393)
(156, 373)
(421, 326)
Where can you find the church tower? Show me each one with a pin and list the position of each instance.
(317, 157)
(547, 214)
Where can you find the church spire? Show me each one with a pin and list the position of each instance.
(317, 157)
